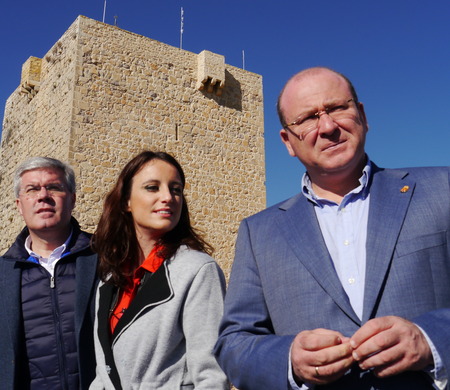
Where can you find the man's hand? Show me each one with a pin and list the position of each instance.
(325, 349)
(389, 346)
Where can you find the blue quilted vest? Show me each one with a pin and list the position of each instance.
(47, 308)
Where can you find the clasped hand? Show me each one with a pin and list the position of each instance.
(385, 345)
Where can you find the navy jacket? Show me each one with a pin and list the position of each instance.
(13, 363)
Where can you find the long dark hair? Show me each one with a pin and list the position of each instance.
(115, 239)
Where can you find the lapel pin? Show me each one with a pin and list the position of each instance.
(404, 189)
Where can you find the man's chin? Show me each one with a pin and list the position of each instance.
(45, 224)
(342, 164)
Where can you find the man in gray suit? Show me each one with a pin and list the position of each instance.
(347, 284)
(47, 286)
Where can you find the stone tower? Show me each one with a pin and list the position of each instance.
(101, 95)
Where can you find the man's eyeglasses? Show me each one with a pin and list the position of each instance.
(306, 124)
(53, 189)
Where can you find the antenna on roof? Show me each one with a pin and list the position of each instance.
(181, 28)
(115, 20)
(104, 11)
(243, 59)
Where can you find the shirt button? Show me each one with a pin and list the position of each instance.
(351, 280)
(346, 242)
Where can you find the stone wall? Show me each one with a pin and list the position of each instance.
(101, 95)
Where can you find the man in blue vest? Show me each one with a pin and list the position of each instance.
(47, 285)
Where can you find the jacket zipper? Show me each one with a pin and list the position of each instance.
(58, 331)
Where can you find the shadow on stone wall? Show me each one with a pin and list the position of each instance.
(232, 93)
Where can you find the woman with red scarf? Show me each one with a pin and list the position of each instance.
(160, 301)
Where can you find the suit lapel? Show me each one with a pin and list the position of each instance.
(156, 290)
(390, 196)
(301, 230)
(106, 296)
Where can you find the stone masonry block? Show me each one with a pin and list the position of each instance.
(210, 72)
(31, 72)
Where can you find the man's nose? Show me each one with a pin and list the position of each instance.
(326, 124)
(43, 193)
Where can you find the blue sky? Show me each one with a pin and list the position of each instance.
(397, 53)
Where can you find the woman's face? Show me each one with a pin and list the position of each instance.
(156, 199)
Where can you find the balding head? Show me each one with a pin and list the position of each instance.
(306, 73)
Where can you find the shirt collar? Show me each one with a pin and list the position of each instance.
(361, 191)
(57, 252)
(151, 263)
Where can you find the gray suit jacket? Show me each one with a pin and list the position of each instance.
(283, 280)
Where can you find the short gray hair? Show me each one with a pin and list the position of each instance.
(44, 163)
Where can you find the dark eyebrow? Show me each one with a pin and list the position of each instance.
(155, 181)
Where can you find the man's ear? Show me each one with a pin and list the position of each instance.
(74, 198)
(19, 206)
(362, 115)
(285, 139)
